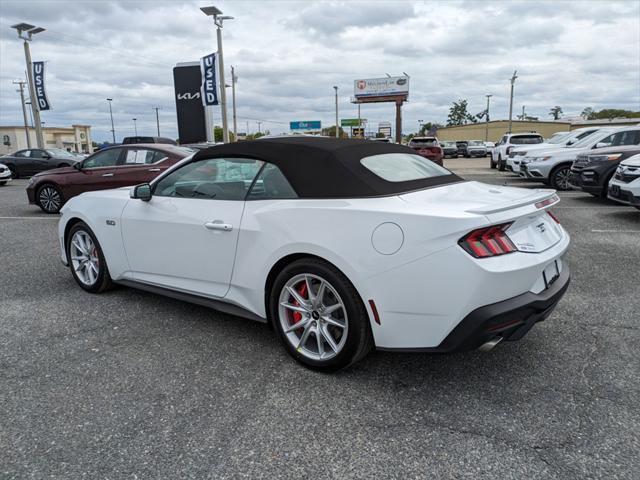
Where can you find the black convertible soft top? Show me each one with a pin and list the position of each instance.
(321, 167)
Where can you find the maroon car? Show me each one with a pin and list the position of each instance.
(113, 167)
(428, 147)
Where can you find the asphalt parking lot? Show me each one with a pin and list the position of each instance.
(132, 385)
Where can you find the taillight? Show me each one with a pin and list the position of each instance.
(488, 241)
(553, 216)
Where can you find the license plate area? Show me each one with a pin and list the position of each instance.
(550, 274)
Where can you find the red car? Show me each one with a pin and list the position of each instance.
(112, 167)
(428, 147)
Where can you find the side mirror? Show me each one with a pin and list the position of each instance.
(602, 145)
(141, 192)
(77, 166)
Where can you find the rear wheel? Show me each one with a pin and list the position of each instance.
(49, 198)
(86, 260)
(319, 316)
(559, 177)
(14, 172)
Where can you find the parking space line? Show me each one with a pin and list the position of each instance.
(30, 218)
(615, 231)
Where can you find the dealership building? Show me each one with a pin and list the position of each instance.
(495, 129)
(77, 138)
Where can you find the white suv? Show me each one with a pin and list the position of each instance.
(624, 186)
(508, 142)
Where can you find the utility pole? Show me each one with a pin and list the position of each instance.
(157, 119)
(21, 84)
(113, 130)
(259, 123)
(359, 120)
(486, 124)
(513, 81)
(135, 126)
(523, 117)
(234, 79)
(337, 126)
(26, 32)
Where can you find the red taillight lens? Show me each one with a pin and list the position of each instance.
(553, 216)
(488, 241)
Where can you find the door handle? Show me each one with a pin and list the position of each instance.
(218, 225)
(107, 174)
(154, 169)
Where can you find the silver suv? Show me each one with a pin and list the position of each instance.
(508, 142)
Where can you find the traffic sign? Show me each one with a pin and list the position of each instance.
(352, 122)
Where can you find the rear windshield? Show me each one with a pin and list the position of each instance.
(526, 140)
(427, 142)
(476, 143)
(402, 167)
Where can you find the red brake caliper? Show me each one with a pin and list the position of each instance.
(302, 290)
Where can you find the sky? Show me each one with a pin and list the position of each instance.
(288, 56)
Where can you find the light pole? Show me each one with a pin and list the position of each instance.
(259, 123)
(513, 81)
(218, 18)
(234, 79)
(135, 126)
(113, 130)
(26, 32)
(486, 116)
(157, 119)
(21, 84)
(337, 126)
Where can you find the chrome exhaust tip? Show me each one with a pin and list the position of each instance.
(488, 346)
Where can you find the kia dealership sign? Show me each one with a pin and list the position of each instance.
(381, 87)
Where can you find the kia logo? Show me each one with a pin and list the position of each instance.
(188, 96)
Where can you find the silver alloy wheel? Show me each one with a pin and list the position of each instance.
(84, 257)
(49, 199)
(561, 178)
(313, 317)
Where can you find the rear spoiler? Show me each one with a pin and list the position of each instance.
(542, 199)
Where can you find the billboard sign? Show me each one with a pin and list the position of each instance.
(381, 87)
(38, 83)
(187, 81)
(357, 132)
(306, 125)
(208, 89)
(352, 122)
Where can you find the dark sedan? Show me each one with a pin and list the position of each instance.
(592, 171)
(25, 163)
(111, 167)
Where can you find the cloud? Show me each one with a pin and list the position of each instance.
(288, 55)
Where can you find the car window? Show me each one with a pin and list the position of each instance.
(23, 153)
(629, 137)
(143, 156)
(271, 184)
(39, 154)
(106, 158)
(526, 139)
(59, 152)
(213, 178)
(402, 167)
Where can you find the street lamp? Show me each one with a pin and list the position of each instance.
(135, 127)
(486, 116)
(513, 81)
(218, 19)
(337, 131)
(26, 32)
(113, 130)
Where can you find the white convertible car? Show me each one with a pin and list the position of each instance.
(340, 245)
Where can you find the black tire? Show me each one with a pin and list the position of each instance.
(501, 166)
(14, 172)
(49, 198)
(103, 281)
(491, 163)
(2, 183)
(559, 178)
(359, 339)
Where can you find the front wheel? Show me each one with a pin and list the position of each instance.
(3, 183)
(49, 198)
(319, 316)
(501, 166)
(559, 178)
(86, 260)
(491, 162)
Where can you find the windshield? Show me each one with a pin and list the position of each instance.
(559, 138)
(588, 140)
(402, 167)
(450, 144)
(59, 152)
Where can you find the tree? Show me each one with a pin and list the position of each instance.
(425, 128)
(608, 113)
(556, 112)
(586, 113)
(331, 132)
(458, 114)
(217, 135)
